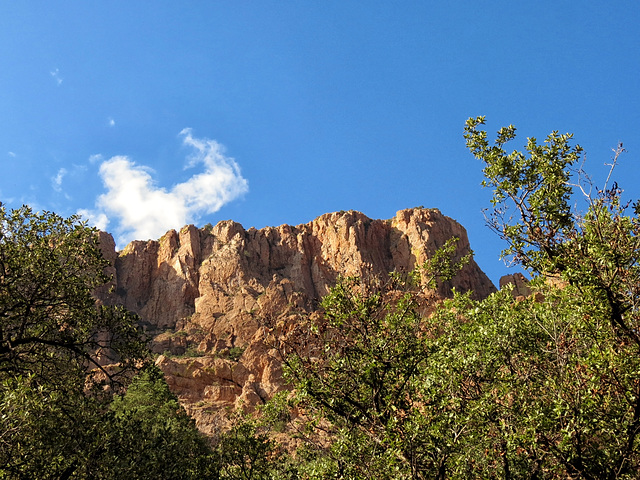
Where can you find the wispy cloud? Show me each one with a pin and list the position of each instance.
(56, 181)
(11, 154)
(56, 76)
(111, 122)
(4, 199)
(143, 210)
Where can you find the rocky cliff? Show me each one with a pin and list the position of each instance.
(201, 293)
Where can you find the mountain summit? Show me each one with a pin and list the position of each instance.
(201, 293)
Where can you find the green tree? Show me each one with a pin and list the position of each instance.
(51, 326)
(69, 406)
(55, 344)
(358, 366)
(532, 191)
(247, 453)
(548, 391)
(542, 388)
(582, 355)
(44, 433)
(149, 435)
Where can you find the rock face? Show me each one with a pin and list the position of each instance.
(201, 293)
(520, 284)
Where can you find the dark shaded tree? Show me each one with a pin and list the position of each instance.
(55, 344)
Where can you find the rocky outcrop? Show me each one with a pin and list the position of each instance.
(201, 293)
(520, 288)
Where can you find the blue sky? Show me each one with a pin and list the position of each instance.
(148, 115)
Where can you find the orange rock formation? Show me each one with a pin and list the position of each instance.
(201, 293)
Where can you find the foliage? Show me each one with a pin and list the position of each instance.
(63, 356)
(44, 433)
(150, 436)
(536, 186)
(586, 331)
(359, 368)
(54, 343)
(548, 390)
(248, 449)
(542, 388)
(245, 452)
(235, 353)
(51, 327)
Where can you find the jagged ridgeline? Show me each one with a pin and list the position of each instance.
(201, 293)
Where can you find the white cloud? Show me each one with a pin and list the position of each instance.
(11, 154)
(56, 182)
(56, 76)
(144, 210)
(111, 122)
(97, 219)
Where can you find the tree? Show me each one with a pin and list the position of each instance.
(542, 388)
(55, 344)
(150, 436)
(51, 326)
(358, 365)
(70, 405)
(536, 185)
(586, 329)
(247, 453)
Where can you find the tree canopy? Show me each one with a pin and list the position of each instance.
(51, 326)
(62, 358)
(55, 343)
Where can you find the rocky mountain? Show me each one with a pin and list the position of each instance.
(201, 293)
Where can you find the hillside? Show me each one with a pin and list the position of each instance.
(201, 293)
